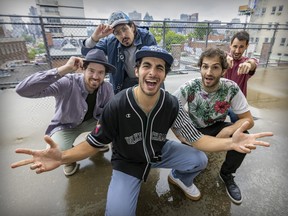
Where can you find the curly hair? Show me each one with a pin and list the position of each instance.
(213, 52)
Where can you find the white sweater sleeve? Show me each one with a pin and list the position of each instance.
(89, 43)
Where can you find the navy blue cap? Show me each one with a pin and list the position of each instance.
(154, 51)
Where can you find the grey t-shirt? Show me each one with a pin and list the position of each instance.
(130, 61)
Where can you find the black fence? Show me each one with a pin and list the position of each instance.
(33, 43)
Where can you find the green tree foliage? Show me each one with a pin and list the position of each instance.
(157, 30)
(38, 49)
(28, 38)
(174, 38)
(200, 31)
(171, 37)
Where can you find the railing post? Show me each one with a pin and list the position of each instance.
(207, 34)
(45, 42)
(272, 43)
(164, 33)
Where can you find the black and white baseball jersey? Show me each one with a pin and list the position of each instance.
(137, 138)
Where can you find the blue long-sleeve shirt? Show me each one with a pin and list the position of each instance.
(70, 96)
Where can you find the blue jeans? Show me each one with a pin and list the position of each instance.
(185, 161)
(233, 116)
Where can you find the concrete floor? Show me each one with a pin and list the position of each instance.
(262, 176)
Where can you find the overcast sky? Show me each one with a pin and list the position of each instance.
(223, 10)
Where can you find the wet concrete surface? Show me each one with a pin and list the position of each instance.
(262, 176)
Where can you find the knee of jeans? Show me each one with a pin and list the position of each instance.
(199, 160)
(203, 160)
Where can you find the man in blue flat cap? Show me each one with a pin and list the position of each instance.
(137, 121)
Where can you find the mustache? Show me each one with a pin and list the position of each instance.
(125, 38)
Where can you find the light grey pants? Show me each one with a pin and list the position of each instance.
(186, 163)
(66, 138)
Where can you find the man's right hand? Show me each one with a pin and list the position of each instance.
(101, 31)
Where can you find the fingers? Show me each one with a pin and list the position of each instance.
(262, 143)
(245, 150)
(244, 68)
(24, 151)
(35, 166)
(50, 142)
(22, 163)
(263, 134)
(250, 146)
(244, 126)
(40, 170)
(232, 63)
(77, 63)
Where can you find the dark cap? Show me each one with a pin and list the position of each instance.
(98, 56)
(154, 51)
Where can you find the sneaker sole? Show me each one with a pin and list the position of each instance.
(187, 195)
(73, 172)
(233, 200)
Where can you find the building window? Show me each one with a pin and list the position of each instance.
(251, 39)
(283, 40)
(54, 20)
(263, 11)
(266, 40)
(280, 10)
(50, 9)
(273, 10)
(55, 30)
(256, 40)
(279, 54)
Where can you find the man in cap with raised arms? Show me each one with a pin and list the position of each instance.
(120, 39)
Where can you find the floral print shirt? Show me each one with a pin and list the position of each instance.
(205, 108)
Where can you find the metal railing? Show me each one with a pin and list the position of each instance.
(49, 41)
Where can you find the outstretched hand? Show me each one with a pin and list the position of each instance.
(230, 61)
(244, 68)
(42, 160)
(244, 143)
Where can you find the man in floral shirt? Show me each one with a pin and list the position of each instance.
(209, 99)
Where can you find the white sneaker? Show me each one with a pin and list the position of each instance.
(70, 169)
(191, 192)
